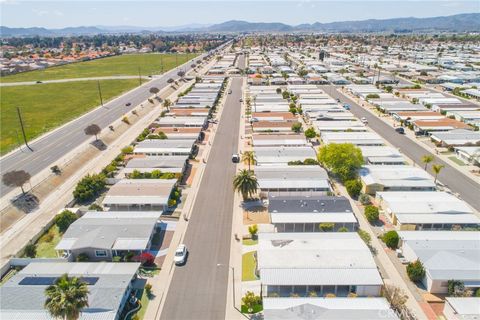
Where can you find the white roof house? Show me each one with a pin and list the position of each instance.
(445, 255)
(109, 284)
(395, 178)
(292, 178)
(159, 147)
(426, 210)
(338, 262)
(271, 140)
(457, 137)
(464, 308)
(282, 155)
(327, 308)
(356, 138)
(382, 155)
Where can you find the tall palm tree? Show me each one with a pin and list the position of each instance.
(249, 158)
(427, 159)
(167, 103)
(246, 183)
(66, 298)
(436, 169)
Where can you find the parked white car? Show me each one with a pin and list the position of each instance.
(364, 120)
(180, 254)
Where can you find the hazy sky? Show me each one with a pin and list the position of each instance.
(58, 14)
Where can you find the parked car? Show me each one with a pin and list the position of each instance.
(241, 100)
(180, 255)
(230, 91)
(128, 104)
(338, 100)
(364, 120)
(235, 158)
(39, 81)
(400, 130)
(346, 107)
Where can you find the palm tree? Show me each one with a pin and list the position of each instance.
(436, 169)
(246, 183)
(427, 159)
(66, 298)
(249, 158)
(167, 103)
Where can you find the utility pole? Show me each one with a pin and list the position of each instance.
(161, 64)
(23, 129)
(139, 76)
(99, 92)
(176, 60)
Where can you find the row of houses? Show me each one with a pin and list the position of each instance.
(313, 262)
(144, 189)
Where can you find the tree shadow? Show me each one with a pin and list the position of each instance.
(99, 144)
(27, 202)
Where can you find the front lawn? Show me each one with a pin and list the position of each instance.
(256, 308)
(248, 266)
(144, 300)
(47, 243)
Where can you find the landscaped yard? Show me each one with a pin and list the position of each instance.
(47, 106)
(248, 266)
(112, 66)
(144, 300)
(47, 243)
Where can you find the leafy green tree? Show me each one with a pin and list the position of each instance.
(64, 220)
(354, 187)
(391, 239)
(415, 271)
(371, 213)
(296, 127)
(246, 183)
(310, 133)
(66, 298)
(89, 187)
(342, 159)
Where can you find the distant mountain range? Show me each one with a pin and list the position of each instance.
(456, 23)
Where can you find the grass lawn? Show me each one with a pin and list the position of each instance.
(256, 308)
(112, 66)
(46, 244)
(249, 242)
(46, 106)
(248, 267)
(457, 161)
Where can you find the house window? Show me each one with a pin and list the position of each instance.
(100, 253)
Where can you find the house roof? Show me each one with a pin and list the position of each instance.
(308, 204)
(288, 177)
(327, 308)
(23, 296)
(277, 155)
(400, 176)
(446, 254)
(110, 230)
(468, 308)
(315, 259)
(140, 191)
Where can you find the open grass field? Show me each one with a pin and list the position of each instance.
(111, 66)
(46, 106)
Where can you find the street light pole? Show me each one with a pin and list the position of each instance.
(139, 76)
(233, 280)
(100, 92)
(23, 129)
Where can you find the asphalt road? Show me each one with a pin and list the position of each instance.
(198, 289)
(56, 144)
(468, 189)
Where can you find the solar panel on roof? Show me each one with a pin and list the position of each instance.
(47, 281)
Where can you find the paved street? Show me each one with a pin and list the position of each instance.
(198, 290)
(455, 180)
(55, 145)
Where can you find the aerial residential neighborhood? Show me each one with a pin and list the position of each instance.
(321, 163)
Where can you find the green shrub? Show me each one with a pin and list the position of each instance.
(64, 220)
(95, 207)
(89, 187)
(343, 229)
(371, 213)
(253, 230)
(127, 150)
(364, 199)
(353, 187)
(310, 133)
(365, 236)
(326, 226)
(30, 250)
(297, 127)
(82, 257)
(415, 271)
(391, 239)
(148, 289)
(172, 202)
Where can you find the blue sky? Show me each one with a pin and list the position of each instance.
(67, 13)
